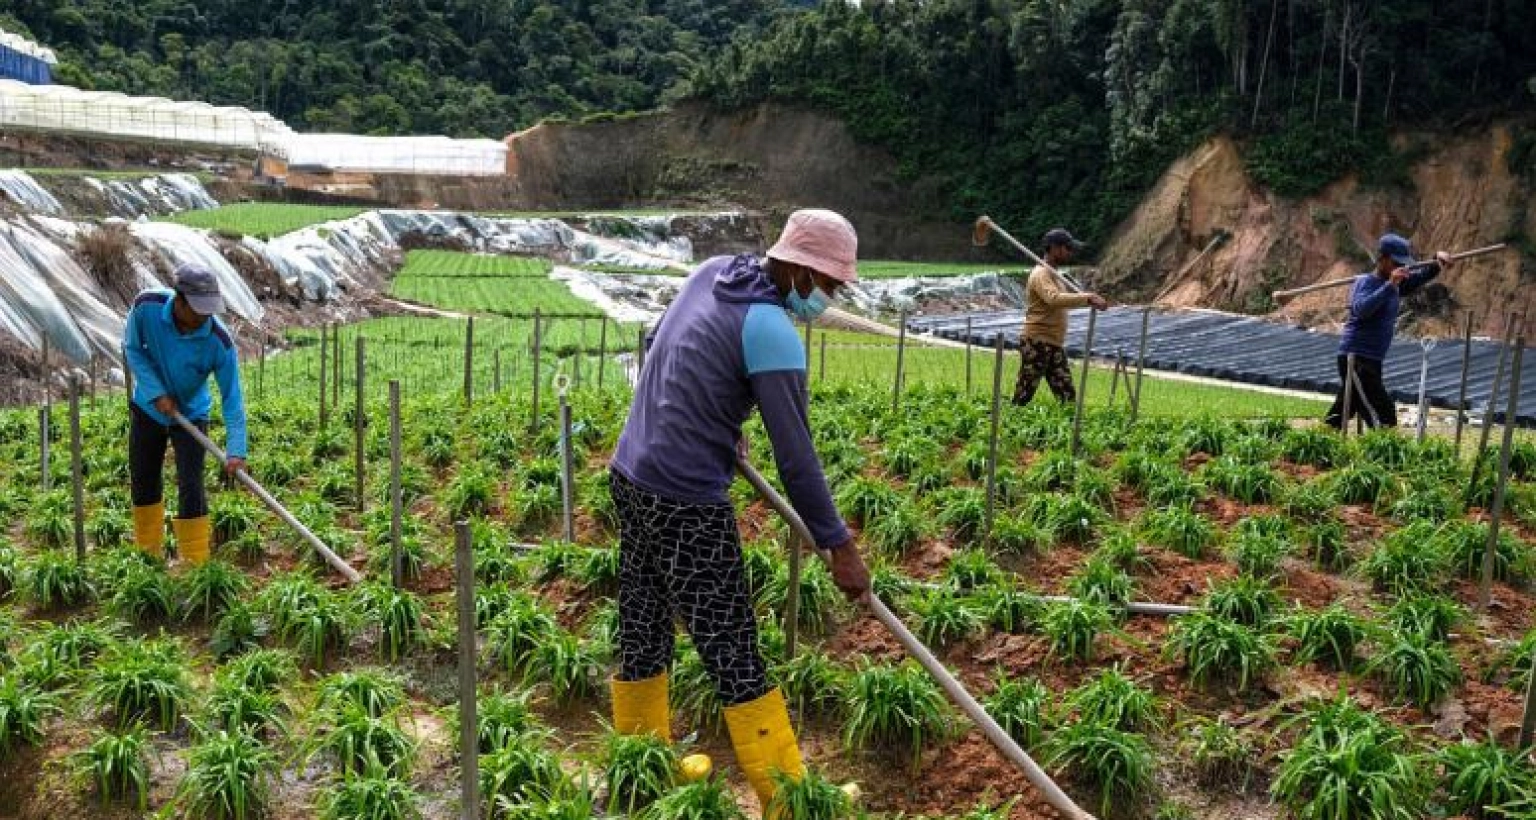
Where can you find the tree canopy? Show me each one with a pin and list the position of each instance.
(456, 67)
(1040, 112)
(1063, 111)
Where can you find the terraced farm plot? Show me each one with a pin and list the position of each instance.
(508, 286)
(263, 219)
(1248, 522)
(881, 269)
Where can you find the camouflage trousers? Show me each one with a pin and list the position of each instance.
(1039, 360)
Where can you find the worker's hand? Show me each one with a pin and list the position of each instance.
(233, 465)
(1445, 260)
(742, 451)
(1398, 276)
(1098, 302)
(849, 572)
(166, 406)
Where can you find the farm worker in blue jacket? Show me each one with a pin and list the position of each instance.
(1373, 306)
(727, 344)
(173, 342)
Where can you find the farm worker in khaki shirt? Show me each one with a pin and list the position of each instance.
(1047, 300)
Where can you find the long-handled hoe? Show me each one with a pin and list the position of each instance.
(952, 687)
(260, 492)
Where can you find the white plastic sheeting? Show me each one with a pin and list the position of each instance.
(892, 295)
(179, 245)
(623, 297)
(43, 292)
(154, 196)
(61, 109)
(422, 155)
(23, 190)
(65, 110)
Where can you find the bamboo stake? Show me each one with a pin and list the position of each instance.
(359, 423)
(997, 412)
(1141, 360)
(1082, 388)
(1461, 394)
(76, 471)
(396, 559)
(469, 724)
(1496, 513)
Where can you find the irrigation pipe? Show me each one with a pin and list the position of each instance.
(266, 498)
(952, 687)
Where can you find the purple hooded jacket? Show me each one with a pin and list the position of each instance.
(723, 346)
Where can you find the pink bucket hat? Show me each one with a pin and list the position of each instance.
(821, 240)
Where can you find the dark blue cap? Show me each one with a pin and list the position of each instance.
(200, 288)
(1396, 247)
(1061, 236)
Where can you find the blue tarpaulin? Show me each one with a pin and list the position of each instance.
(14, 65)
(1256, 351)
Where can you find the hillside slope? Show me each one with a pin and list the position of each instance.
(1460, 194)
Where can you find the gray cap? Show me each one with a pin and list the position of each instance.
(201, 289)
(1061, 236)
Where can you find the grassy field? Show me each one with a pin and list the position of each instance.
(504, 285)
(882, 269)
(263, 219)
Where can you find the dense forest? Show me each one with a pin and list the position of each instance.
(1045, 111)
(1039, 111)
(457, 67)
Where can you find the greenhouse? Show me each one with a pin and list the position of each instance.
(420, 155)
(60, 109)
(26, 61)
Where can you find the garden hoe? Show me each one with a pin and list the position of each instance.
(952, 687)
(985, 227)
(260, 492)
(1282, 297)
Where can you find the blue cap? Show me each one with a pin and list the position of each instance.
(200, 288)
(1396, 247)
(1061, 236)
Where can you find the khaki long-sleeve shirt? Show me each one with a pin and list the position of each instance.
(1047, 300)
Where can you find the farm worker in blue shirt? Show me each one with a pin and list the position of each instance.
(727, 344)
(173, 342)
(1373, 306)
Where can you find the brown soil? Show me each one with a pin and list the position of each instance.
(1463, 195)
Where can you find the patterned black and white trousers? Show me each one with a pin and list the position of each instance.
(684, 560)
(1039, 360)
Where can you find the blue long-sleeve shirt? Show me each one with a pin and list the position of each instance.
(724, 346)
(167, 362)
(1373, 306)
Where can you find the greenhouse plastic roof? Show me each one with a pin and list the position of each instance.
(67, 110)
(1254, 351)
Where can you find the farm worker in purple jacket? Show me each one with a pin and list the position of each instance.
(173, 342)
(1373, 305)
(724, 346)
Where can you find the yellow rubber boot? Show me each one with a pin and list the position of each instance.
(765, 743)
(149, 529)
(641, 707)
(192, 538)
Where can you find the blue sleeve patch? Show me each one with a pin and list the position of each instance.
(151, 298)
(768, 341)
